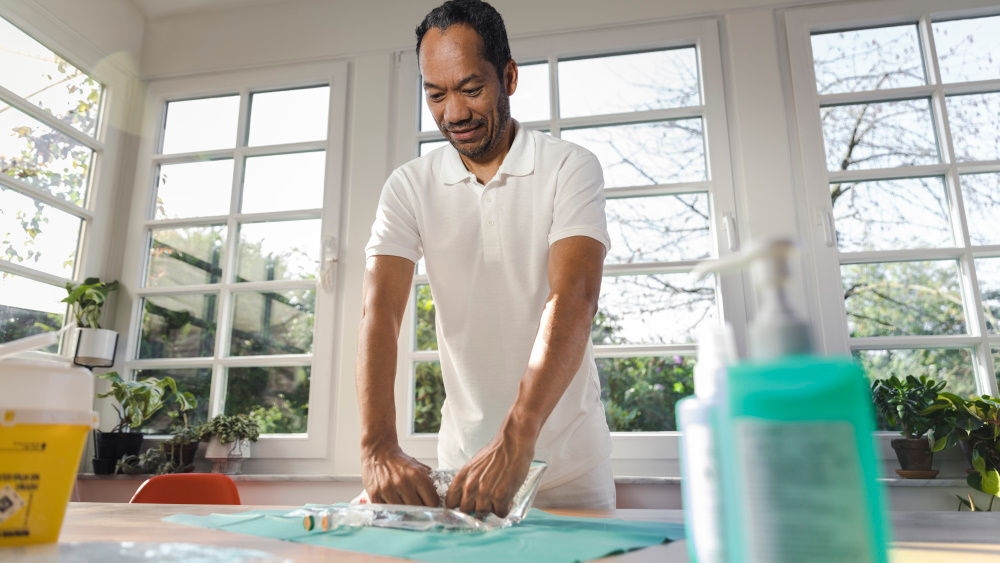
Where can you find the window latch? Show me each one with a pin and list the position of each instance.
(729, 224)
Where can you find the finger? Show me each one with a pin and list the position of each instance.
(484, 506)
(501, 509)
(427, 493)
(470, 499)
(453, 498)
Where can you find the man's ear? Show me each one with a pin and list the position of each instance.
(510, 77)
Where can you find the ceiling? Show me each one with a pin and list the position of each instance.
(152, 9)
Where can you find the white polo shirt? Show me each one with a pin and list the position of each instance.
(486, 252)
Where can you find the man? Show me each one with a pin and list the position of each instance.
(511, 226)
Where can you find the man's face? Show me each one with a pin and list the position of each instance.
(468, 100)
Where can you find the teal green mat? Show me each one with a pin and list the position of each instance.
(539, 537)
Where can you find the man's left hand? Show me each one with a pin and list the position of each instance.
(490, 480)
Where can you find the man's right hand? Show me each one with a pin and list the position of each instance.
(392, 477)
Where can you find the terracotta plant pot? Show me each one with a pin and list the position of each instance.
(915, 458)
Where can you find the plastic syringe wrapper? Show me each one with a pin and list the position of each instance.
(338, 517)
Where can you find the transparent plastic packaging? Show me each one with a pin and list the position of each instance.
(338, 517)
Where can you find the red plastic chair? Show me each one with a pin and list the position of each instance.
(188, 488)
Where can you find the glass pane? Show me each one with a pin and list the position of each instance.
(640, 393)
(197, 381)
(37, 235)
(276, 397)
(194, 189)
(891, 214)
(283, 250)
(428, 397)
(625, 83)
(43, 78)
(428, 147)
(426, 329)
(952, 365)
(981, 194)
(652, 309)
(178, 326)
(186, 256)
(530, 101)
(867, 59)
(289, 116)
(273, 322)
(903, 298)
(659, 228)
(28, 307)
(879, 135)
(38, 155)
(988, 273)
(284, 182)
(426, 119)
(648, 153)
(975, 126)
(201, 125)
(968, 50)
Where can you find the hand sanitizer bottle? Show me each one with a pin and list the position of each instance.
(699, 468)
(794, 429)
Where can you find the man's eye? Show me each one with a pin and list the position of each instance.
(435, 97)
(474, 91)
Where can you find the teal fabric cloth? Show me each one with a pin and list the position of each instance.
(539, 537)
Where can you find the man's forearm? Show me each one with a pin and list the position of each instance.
(375, 381)
(386, 289)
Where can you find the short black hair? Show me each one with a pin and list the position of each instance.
(479, 16)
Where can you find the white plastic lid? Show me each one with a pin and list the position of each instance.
(37, 384)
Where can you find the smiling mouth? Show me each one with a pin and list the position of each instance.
(464, 134)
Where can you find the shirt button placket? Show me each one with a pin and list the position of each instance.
(491, 237)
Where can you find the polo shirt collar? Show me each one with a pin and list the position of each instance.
(519, 161)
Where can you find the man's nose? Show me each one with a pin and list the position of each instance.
(456, 109)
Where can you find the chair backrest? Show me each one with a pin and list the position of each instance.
(188, 488)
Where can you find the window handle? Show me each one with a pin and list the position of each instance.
(729, 223)
(829, 233)
(328, 262)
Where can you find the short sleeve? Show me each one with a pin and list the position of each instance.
(579, 200)
(395, 231)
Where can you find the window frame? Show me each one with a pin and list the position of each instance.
(98, 220)
(314, 444)
(816, 213)
(634, 453)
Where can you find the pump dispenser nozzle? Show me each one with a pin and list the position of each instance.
(775, 331)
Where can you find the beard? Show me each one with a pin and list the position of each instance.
(494, 137)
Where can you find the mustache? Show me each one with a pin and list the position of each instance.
(463, 125)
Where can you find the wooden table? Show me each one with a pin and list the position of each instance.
(118, 522)
(925, 536)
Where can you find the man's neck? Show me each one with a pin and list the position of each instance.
(486, 168)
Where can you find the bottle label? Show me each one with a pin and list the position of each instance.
(803, 493)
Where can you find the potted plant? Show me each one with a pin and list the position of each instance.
(229, 443)
(95, 346)
(982, 446)
(181, 447)
(136, 401)
(906, 404)
(175, 454)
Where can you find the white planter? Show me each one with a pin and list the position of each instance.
(227, 458)
(95, 347)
